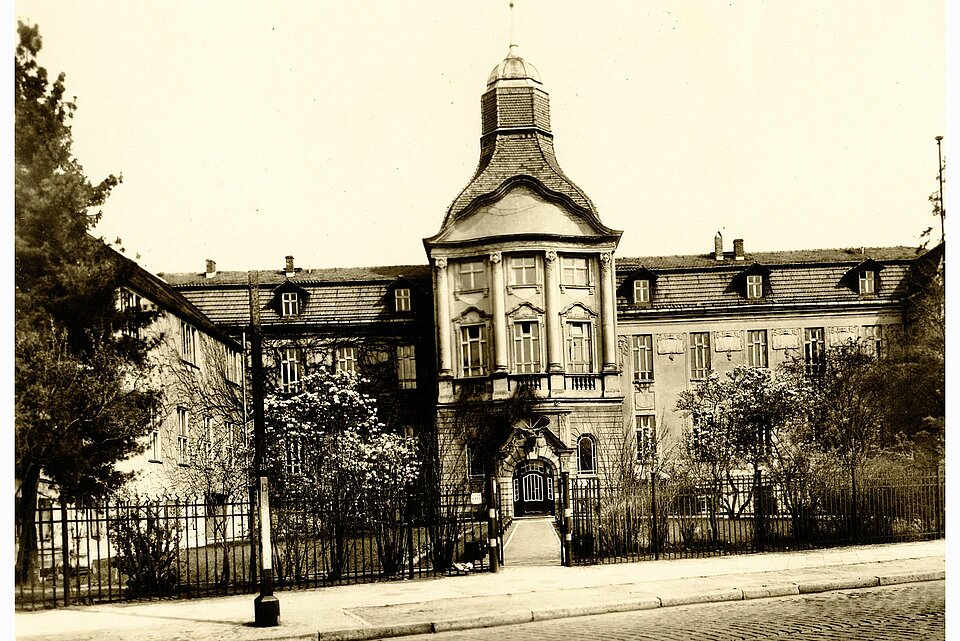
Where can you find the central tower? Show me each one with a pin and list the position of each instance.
(524, 292)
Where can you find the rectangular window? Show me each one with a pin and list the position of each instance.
(757, 348)
(183, 436)
(401, 297)
(576, 271)
(646, 434)
(579, 348)
(294, 465)
(474, 460)
(207, 440)
(406, 366)
(290, 304)
(814, 356)
(523, 270)
(754, 286)
(289, 369)
(526, 347)
(873, 340)
(641, 291)
(643, 357)
(473, 350)
(699, 355)
(471, 275)
(188, 342)
(868, 284)
(131, 302)
(347, 359)
(234, 365)
(153, 448)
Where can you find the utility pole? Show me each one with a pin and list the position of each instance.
(266, 607)
(940, 193)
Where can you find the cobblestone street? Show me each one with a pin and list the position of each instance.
(904, 612)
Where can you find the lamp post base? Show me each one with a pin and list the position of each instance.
(266, 611)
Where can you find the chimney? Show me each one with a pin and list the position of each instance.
(718, 246)
(211, 269)
(290, 271)
(738, 249)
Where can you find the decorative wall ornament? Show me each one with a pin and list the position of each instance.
(440, 263)
(623, 351)
(606, 257)
(842, 334)
(471, 315)
(785, 339)
(643, 396)
(670, 344)
(525, 310)
(578, 310)
(495, 257)
(550, 256)
(728, 341)
(470, 298)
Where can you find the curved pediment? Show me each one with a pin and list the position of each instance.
(521, 208)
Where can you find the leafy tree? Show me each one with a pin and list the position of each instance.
(81, 403)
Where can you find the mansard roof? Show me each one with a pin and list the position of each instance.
(354, 296)
(794, 278)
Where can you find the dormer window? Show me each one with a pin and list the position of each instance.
(401, 298)
(576, 271)
(289, 304)
(641, 291)
(471, 276)
(868, 282)
(754, 286)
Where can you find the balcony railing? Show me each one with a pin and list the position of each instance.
(584, 382)
(537, 382)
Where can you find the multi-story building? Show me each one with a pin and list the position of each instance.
(524, 348)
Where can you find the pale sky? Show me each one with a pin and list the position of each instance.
(340, 132)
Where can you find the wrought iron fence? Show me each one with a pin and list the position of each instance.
(175, 548)
(669, 518)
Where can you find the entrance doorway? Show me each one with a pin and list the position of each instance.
(533, 488)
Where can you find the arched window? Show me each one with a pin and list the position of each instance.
(586, 455)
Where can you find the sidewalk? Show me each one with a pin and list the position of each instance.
(514, 595)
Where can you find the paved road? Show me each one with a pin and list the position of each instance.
(901, 612)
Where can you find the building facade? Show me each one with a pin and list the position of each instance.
(524, 348)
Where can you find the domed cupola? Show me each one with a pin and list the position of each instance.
(514, 67)
(514, 99)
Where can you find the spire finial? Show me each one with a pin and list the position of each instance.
(512, 43)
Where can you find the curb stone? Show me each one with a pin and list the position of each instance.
(596, 608)
(912, 577)
(712, 596)
(839, 584)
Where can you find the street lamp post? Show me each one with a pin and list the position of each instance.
(266, 607)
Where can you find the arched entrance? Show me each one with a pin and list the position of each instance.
(534, 486)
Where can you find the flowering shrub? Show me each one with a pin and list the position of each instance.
(327, 451)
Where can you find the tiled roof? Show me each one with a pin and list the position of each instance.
(850, 256)
(813, 276)
(521, 154)
(385, 273)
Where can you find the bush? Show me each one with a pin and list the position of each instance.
(147, 545)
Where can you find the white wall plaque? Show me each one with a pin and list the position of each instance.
(643, 398)
(669, 343)
(730, 341)
(840, 335)
(785, 339)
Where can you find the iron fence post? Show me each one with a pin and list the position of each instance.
(938, 508)
(492, 541)
(655, 533)
(410, 553)
(567, 520)
(65, 551)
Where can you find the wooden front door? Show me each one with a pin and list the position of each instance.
(533, 487)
